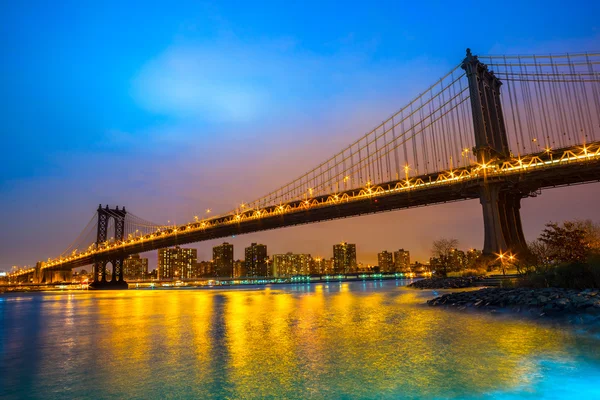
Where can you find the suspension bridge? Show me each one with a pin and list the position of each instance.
(495, 128)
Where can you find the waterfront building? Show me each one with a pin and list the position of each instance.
(344, 258)
(321, 266)
(458, 260)
(239, 268)
(315, 264)
(471, 257)
(362, 267)
(204, 269)
(420, 268)
(135, 267)
(385, 260)
(223, 259)
(290, 264)
(256, 260)
(402, 261)
(455, 260)
(176, 263)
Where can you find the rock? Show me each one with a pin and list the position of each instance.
(593, 310)
(549, 302)
(446, 283)
(562, 302)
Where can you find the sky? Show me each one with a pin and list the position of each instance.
(170, 108)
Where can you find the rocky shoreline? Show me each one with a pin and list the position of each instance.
(580, 305)
(446, 283)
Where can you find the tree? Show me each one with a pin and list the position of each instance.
(566, 243)
(592, 233)
(442, 251)
(540, 254)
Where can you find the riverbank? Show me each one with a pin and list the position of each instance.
(570, 304)
(216, 282)
(447, 283)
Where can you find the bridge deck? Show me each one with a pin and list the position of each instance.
(526, 174)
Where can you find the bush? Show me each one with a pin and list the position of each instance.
(534, 280)
(594, 269)
(467, 272)
(508, 283)
(574, 275)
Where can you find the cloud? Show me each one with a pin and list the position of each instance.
(230, 81)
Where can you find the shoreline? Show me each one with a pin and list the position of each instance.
(447, 283)
(206, 284)
(581, 307)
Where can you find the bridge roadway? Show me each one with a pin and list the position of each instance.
(527, 174)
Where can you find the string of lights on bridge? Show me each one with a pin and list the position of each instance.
(547, 159)
(551, 106)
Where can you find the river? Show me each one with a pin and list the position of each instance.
(371, 340)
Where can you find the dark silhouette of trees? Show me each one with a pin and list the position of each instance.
(566, 243)
(442, 252)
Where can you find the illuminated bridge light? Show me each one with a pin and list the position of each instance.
(507, 167)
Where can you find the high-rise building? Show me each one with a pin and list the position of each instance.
(256, 260)
(321, 266)
(239, 268)
(315, 265)
(204, 269)
(176, 263)
(402, 261)
(223, 259)
(385, 260)
(344, 258)
(291, 264)
(135, 267)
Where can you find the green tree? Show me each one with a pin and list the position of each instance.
(541, 255)
(592, 233)
(566, 243)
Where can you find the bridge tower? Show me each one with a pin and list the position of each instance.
(104, 216)
(501, 203)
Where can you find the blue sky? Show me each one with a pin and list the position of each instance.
(172, 108)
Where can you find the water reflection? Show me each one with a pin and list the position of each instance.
(334, 340)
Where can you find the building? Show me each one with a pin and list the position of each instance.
(420, 268)
(176, 263)
(458, 260)
(239, 268)
(385, 260)
(223, 259)
(290, 264)
(315, 266)
(135, 267)
(321, 266)
(471, 258)
(344, 258)
(455, 260)
(402, 261)
(256, 260)
(204, 269)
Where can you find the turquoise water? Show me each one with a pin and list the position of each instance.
(372, 340)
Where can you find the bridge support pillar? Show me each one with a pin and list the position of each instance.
(104, 217)
(38, 274)
(116, 281)
(503, 232)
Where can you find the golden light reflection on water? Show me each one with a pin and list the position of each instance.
(327, 340)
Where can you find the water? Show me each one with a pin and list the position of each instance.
(372, 340)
